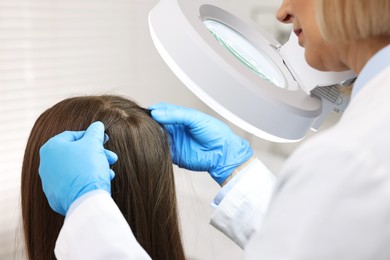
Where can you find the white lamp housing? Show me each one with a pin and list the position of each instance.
(235, 68)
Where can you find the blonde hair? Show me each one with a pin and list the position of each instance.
(346, 20)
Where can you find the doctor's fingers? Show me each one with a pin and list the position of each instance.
(67, 136)
(111, 156)
(171, 114)
(96, 132)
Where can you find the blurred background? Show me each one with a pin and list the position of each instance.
(52, 49)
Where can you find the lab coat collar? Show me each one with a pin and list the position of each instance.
(379, 62)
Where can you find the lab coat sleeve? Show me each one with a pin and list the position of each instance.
(241, 211)
(94, 228)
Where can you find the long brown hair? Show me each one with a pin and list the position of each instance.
(143, 187)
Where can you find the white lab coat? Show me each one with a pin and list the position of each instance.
(332, 198)
(331, 201)
(94, 228)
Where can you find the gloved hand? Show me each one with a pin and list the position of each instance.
(200, 142)
(74, 163)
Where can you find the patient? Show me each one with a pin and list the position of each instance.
(143, 187)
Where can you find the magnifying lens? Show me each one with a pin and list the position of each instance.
(244, 51)
(242, 73)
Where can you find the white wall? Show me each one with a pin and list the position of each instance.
(52, 49)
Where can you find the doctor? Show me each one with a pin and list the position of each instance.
(331, 199)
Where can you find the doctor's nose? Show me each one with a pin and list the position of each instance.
(284, 14)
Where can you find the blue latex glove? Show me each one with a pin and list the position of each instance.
(74, 163)
(200, 142)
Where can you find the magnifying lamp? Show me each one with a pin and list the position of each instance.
(242, 73)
